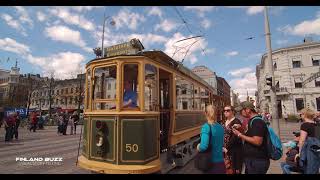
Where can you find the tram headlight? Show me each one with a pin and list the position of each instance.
(99, 140)
(99, 136)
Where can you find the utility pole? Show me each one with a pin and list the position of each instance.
(80, 95)
(269, 68)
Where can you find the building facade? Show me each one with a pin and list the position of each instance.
(13, 87)
(206, 74)
(292, 67)
(65, 95)
(223, 89)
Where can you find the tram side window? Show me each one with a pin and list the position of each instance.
(102, 77)
(150, 88)
(130, 86)
(204, 95)
(184, 94)
(197, 99)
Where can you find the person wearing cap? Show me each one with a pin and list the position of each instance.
(290, 165)
(254, 149)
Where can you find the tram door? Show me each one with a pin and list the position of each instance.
(165, 107)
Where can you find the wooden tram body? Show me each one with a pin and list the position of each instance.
(161, 132)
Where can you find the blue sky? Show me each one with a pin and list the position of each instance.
(60, 39)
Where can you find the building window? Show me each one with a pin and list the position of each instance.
(57, 92)
(298, 84)
(315, 62)
(296, 64)
(61, 91)
(66, 90)
(318, 103)
(274, 66)
(317, 82)
(184, 105)
(299, 104)
(71, 90)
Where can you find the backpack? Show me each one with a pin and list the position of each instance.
(273, 142)
(203, 159)
(317, 130)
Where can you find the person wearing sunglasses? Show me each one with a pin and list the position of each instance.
(232, 144)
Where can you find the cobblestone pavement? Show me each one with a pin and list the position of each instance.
(47, 143)
(43, 144)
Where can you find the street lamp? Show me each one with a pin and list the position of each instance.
(112, 22)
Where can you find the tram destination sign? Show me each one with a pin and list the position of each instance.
(127, 48)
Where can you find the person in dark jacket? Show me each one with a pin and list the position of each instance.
(75, 118)
(18, 120)
(9, 126)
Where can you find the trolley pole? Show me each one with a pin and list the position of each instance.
(270, 71)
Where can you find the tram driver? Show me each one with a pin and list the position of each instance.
(129, 96)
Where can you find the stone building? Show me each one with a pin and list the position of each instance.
(293, 66)
(13, 85)
(223, 89)
(64, 95)
(206, 74)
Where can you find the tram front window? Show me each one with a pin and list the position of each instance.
(130, 86)
(104, 88)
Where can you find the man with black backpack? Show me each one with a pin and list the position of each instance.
(256, 156)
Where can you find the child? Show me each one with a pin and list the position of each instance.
(290, 165)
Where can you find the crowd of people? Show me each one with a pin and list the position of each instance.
(238, 142)
(12, 120)
(64, 120)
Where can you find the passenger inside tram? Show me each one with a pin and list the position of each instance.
(129, 96)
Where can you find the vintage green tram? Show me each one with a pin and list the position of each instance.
(160, 127)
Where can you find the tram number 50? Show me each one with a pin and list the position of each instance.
(132, 147)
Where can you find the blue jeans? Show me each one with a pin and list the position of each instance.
(285, 168)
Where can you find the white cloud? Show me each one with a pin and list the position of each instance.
(85, 8)
(64, 65)
(156, 11)
(67, 35)
(205, 23)
(247, 83)
(14, 24)
(185, 49)
(148, 39)
(10, 45)
(232, 53)
(125, 18)
(166, 25)
(240, 72)
(308, 27)
(201, 10)
(41, 16)
(72, 18)
(252, 10)
(24, 16)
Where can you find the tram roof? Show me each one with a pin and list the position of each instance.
(163, 58)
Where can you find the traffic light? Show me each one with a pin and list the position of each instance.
(269, 81)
